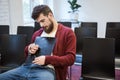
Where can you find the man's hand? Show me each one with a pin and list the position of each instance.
(32, 48)
(39, 60)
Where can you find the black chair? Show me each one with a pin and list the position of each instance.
(113, 25)
(89, 24)
(27, 30)
(36, 26)
(81, 33)
(98, 59)
(12, 51)
(87, 29)
(68, 24)
(113, 31)
(4, 29)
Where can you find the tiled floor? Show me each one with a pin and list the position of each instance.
(76, 73)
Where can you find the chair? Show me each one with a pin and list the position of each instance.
(27, 30)
(87, 29)
(81, 33)
(113, 31)
(68, 24)
(113, 25)
(36, 26)
(89, 24)
(12, 51)
(4, 29)
(98, 59)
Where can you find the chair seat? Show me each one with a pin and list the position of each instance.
(97, 77)
(117, 63)
(98, 59)
(12, 51)
(78, 60)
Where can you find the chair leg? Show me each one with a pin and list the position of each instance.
(70, 72)
(69, 76)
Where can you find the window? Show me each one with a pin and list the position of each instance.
(27, 10)
(28, 6)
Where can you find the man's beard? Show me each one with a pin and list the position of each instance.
(50, 28)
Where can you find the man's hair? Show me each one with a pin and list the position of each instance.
(44, 9)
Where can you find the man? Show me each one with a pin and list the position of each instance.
(55, 65)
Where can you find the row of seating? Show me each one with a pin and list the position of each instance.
(100, 57)
(12, 45)
(98, 61)
(12, 51)
(89, 30)
(5, 29)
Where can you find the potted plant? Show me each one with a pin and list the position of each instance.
(74, 8)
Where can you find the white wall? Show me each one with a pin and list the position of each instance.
(61, 9)
(11, 14)
(100, 11)
(16, 15)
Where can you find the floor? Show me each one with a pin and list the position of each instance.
(76, 73)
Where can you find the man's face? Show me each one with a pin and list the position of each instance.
(45, 22)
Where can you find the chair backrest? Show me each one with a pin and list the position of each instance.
(83, 32)
(113, 31)
(68, 24)
(27, 30)
(12, 49)
(98, 59)
(4, 29)
(113, 24)
(89, 24)
(36, 26)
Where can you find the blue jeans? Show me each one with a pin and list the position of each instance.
(28, 73)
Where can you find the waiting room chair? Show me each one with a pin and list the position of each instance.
(12, 51)
(81, 33)
(27, 30)
(98, 59)
(113, 25)
(87, 29)
(89, 24)
(66, 23)
(4, 29)
(84, 31)
(36, 26)
(113, 31)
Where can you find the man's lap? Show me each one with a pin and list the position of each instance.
(28, 73)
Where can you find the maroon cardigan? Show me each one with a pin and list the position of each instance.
(63, 53)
